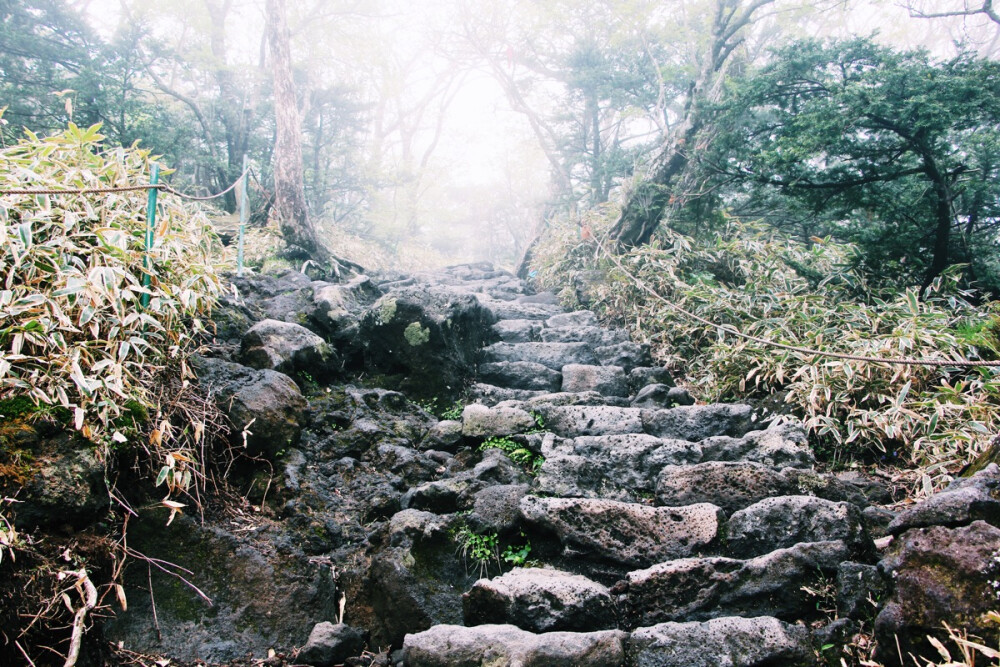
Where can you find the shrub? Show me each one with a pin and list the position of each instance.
(73, 331)
(778, 289)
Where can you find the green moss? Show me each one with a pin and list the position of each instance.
(387, 310)
(416, 335)
(18, 406)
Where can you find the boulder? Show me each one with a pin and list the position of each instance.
(337, 310)
(620, 467)
(697, 422)
(722, 642)
(624, 534)
(628, 355)
(541, 600)
(696, 589)
(963, 501)
(264, 592)
(497, 509)
(645, 375)
(939, 575)
(457, 646)
(518, 331)
(63, 485)
(731, 486)
(521, 375)
(606, 380)
(288, 348)
(657, 396)
(330, 645)
(425, 340)
(518, 310)
(781, 446)
(489, 394)
(265, 405)
(444, 435)
(479, 421)
(777, 523)
(417, 581)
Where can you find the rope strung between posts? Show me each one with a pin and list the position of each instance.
(962, 363)
(124, 188)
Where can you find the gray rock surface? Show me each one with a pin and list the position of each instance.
(574, 420)
(695, 589)
(518, 331)
(507, 645)
(777, 446)
(479, 421)
(541, 600)
(425, 340)
(619, 467)
(658, 396)
(624, 534)
(777, 523)
(606, 380)
(939, 574)
(697, 422)
(288, 348)
(732, 486)
(965, 500)
(521, 375)
(722, 642)
(266, 403)
(331, 644)
(552, 355)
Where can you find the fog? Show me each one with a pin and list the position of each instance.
(449, 130)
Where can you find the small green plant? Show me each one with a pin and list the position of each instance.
(454, 413)
(519, 454)
(517, 555)
(480, 549)
(539, 422)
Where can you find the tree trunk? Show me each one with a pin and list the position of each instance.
(943, 219)
(289, 189)
(646, 205)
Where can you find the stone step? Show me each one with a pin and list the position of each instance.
(735, 485)
(519, 310)
(595, 336)
(521, 375)
(552, 355)
(518, 331)
(694, 422)
(782, 583)
(541, 600)
(627, 466)
(730, 641)
(623, 535)
(605, 380)
(733, 642)
(458, 646)
(490, 395)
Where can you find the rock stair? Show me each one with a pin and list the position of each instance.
(667, 533)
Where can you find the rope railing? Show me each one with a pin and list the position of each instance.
(153, 188)
(123, 188)
(727, 328)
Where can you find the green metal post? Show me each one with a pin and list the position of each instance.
(147, 278)
(243, 217)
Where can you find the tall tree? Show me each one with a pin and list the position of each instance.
(900, 150)
(650, 199)
(289, 189)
